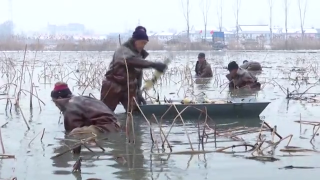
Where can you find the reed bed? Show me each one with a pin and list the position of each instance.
(154, 44)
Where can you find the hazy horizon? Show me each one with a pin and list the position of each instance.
(121, 15)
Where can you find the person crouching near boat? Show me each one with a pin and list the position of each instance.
(83, 114)
(251, 66)
(121, 80)
(240, 78)
(203, 68)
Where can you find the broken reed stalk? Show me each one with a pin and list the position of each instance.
(129, 107)
(239, 145)
(1, 139)
(35, 89)
(31, 78)
(277, 143)
(313, 123)
(75, 146)
(280, 137)
(25, 121)
(162, 135)
(150, 128)
(44, 129)
(7, 156)
(22, 74)
(314, 133)
(300, 125)
(274, 130)
(257, 148)
(132, 126)
(186, 131)
(34, 138)
(174, 120)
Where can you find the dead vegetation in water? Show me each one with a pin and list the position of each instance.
(262, 149)
(88, 74)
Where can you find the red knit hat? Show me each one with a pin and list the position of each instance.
(60, 86)
(61, 90)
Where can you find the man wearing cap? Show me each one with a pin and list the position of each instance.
(82, 113)
(203, 68)
(251, 66)
(123, 79)
(239, 78)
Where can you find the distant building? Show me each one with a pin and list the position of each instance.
(164, 36)
(254, 31)
(69, 29)
(296, 33)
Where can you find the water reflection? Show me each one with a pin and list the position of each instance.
(127, 158)
(243, 95)
(203, 83)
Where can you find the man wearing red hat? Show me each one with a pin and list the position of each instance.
(123, 80)
(83, 113)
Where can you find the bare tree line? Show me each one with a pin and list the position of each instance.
(205, 9)
(186, 13)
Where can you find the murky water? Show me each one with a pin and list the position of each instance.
(33, 157)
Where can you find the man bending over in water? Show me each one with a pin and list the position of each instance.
(83, 114)
(239, 77)
(251, 66)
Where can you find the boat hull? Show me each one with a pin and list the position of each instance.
(230, 110)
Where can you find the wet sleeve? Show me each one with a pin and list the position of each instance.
(105, 124)
(73, 120)
(101, 117)
(195, 69)
(124, 55)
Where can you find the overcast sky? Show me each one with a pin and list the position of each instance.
(104, 16)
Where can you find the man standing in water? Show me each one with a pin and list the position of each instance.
(124, 76)
(251, 66)
(83, 114)
(239, 77)
(203, 68)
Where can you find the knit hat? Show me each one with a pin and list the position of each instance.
(245, 61)
(201, 55)
(140, 33)
(232, 66)
(141, 28)
(61, 90)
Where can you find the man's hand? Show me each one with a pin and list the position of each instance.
(161, 67)
(140, 98)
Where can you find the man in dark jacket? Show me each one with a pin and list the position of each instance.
(239, 77)
(124, 76)
(203, 68)
(83, 114)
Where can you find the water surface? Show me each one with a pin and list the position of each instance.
(142, 161)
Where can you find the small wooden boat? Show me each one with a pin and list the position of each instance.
(223, 110)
